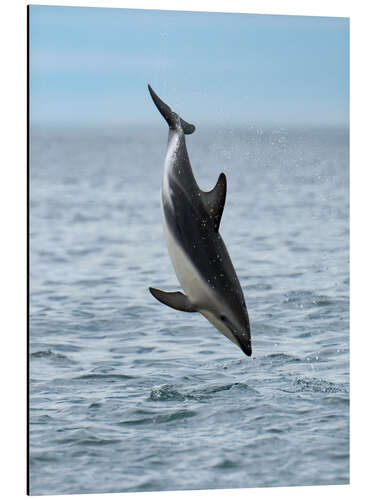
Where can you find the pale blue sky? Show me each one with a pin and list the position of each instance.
(92, 65)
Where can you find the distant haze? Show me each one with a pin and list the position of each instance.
(92, 66)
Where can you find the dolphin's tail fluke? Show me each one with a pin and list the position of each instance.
(170, 116)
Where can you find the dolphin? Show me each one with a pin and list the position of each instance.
(191, 219)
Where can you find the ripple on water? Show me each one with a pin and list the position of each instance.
(281, 358)
(160, 418)
(106, 377)
(168, 392)
(320, 385)
(53, 357)
(226, 463)
(83, 437)
(48, 354)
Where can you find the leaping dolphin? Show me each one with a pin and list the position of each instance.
(191, 219)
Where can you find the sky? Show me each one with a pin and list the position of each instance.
(92, 65)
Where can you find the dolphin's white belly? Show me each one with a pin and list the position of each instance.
(194, 286)
(191, 281)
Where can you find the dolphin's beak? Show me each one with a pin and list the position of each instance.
(244, 342)
(242, 339)
(246, 348)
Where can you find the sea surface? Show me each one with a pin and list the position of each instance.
(127, 394)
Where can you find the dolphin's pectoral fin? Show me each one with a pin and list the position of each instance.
(176, 300)
(214, 200)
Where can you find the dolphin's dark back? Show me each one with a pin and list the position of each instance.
(170, 116)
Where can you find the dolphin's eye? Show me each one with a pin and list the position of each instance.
(223, 317)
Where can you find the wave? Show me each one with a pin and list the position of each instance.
(103, 376)
(160, 418)
(319, 385)
(169, 392)
(280, 358)
(226, 464)
(48, 354)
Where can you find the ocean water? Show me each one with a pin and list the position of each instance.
(129, 395)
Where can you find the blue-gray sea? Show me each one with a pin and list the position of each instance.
(129, 395)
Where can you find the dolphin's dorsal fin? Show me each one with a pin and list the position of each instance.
(176, 300)
(214, 200)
